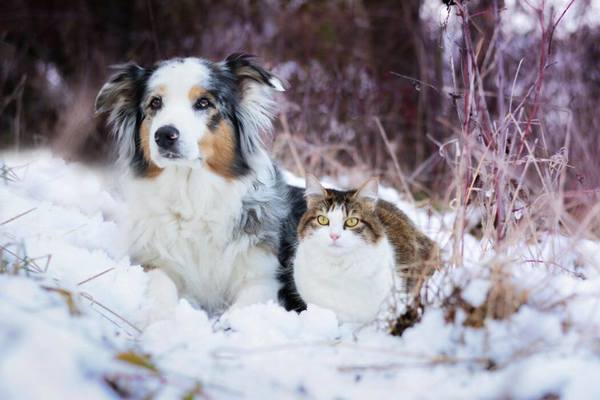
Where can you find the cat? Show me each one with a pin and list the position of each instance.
(353, 247)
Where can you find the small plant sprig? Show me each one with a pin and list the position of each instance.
(7, 174)
(15, 260)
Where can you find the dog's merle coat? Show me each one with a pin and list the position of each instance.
(213, 212)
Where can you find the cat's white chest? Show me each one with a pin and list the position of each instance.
(353, 285)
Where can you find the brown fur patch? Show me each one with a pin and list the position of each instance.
(196, 92)
(218, 148)
(153, 169)
(308, 222)
(417, 256)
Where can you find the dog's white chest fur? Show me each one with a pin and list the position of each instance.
(354, 286)
(186, 222)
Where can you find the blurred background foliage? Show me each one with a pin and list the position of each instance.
(349, 106)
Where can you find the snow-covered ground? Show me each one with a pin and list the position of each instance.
(69, 319)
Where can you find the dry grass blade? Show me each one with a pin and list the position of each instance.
(399, 173)
(18, 216)
(430, 362)
(137, 359)
(95, 276)
(67, 296)
(90, 298)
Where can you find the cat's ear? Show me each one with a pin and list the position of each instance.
(314, 190)
(367, 192)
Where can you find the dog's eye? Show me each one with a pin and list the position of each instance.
(202, 104)
(156, 103)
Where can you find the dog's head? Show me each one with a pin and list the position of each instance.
(190, 111)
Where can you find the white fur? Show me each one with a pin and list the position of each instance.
(351, 277)
(176, 80)
(277, 85)
(162, 299)
(185, 220)
(256, 112)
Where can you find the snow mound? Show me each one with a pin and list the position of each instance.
(70, 302)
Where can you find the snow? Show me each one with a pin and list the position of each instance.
(52, 349)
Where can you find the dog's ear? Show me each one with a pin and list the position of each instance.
(120, 89)
(257, 107)
(119, 100)
(244, 68)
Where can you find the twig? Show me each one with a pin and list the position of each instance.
(415, 82)
(292, 146)
(551, 36)
(153, 25)
(399, 172)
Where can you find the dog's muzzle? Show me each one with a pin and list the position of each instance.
(167, 139)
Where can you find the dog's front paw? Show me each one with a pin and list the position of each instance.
(161, 299)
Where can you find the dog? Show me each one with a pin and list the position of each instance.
(205, 202)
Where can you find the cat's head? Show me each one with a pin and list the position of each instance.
(340, 221)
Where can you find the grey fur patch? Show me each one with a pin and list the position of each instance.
(263, 210)
(120, 99)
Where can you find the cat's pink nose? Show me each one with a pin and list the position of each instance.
(334, 236)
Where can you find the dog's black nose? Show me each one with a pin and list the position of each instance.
(166, 137)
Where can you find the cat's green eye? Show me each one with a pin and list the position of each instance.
(322, 220)
(351, 222)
